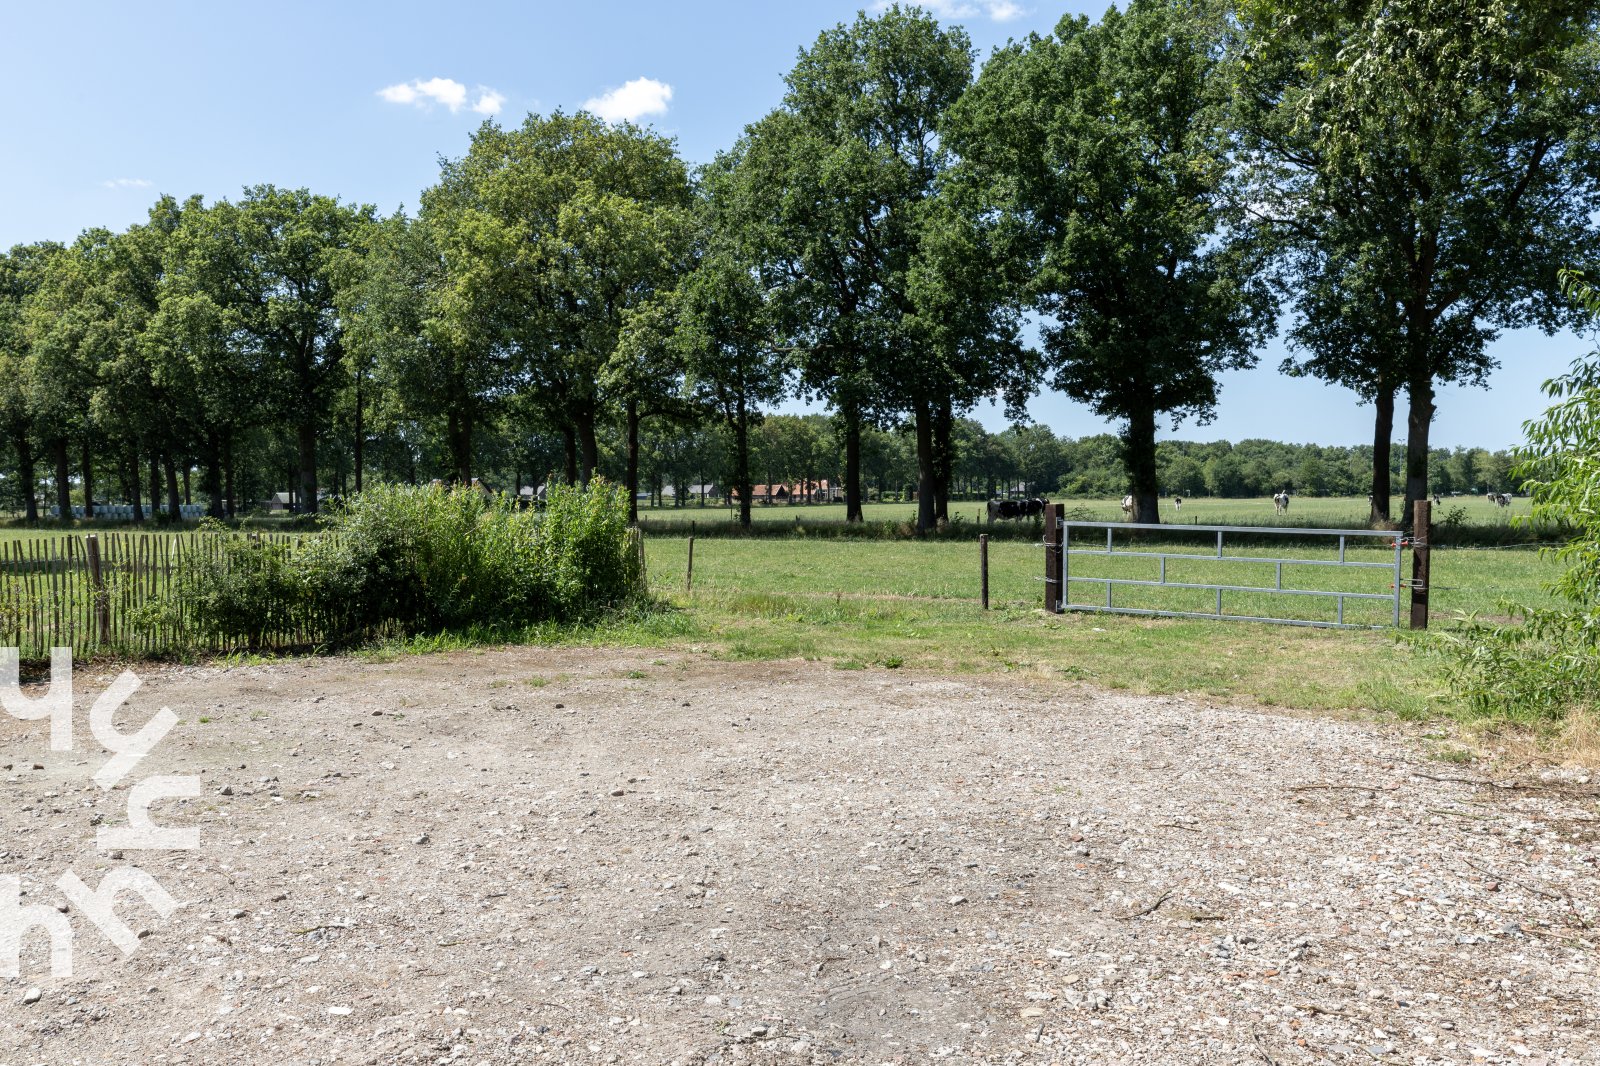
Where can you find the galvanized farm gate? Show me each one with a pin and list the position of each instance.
(1098, 540)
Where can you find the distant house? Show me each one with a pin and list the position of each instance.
(702, 493)
(799, 492)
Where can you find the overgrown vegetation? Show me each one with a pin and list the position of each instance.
(1544, 664)
(399, 561)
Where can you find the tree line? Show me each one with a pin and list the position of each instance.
(1119, 210)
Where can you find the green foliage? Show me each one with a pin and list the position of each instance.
(1545, 663)
(402, 561)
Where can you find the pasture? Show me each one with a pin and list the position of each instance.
(1327, 511)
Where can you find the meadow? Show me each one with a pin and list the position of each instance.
(800, 593)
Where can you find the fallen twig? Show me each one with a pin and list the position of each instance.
(1459, 814)
(318, 928)
(1337, 784)
(1142, 911)
(1261, 1048)
(1538, 890)
(1175, 825)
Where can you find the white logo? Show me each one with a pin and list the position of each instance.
(126, 751)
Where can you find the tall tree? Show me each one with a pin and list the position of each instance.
(553, 231)
(1106, 146)
(1436, 160)
(844, 184)
(261, 280)
(21, 273)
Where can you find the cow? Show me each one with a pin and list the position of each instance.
(1177, 503)
(1015, 509)
(1127, 507)
(1280, 502)
(1500, 499)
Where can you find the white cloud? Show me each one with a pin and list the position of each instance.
(998, 10)
(446, 92)
(636, 99)
(127, 183)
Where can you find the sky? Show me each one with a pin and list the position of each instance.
(108, 105)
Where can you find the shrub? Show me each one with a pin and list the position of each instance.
(408, 560)
(1546, 662)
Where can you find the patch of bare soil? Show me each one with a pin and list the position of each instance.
(599, 856)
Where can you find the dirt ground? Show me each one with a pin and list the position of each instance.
(527, 855)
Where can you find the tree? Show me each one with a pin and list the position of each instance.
(1430, 165)
(1106, 148)
(553, 231)
(260, 282)
(21, 273)
(881, 283)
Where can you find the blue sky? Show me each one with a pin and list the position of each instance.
(112, 103)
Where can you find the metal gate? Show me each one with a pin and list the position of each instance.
(1061, 546)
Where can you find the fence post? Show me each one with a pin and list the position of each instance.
(1421, 562)
(983, 568)
(688, 577)
(1054, 557)
(97, 582)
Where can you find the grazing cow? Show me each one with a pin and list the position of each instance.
(1127, 507)
(1280, 501)
(1014, 509)
(1500, 499)
(1437, 502)
(1177, 503)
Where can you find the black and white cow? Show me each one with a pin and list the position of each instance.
(1015, 509)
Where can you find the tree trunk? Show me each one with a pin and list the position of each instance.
(361, 429)
(88, 479)
(28, 477)
(1139, 460)
(851, 416)
(633, 462)
(944, 459)
(211, 482)
(923, 419)
(174, 504)
(307, 439)
(155, 485)
(569, 439)
(741, 463)
(130, 474)
(589, 457)
(188, 500)
(460, 433)
(1419, 423)
(228, 486)
(58, 449)
(1382, 438)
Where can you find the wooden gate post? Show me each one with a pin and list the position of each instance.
(97, 583)
(1054, 557)
(983, 568)
(1421, 561)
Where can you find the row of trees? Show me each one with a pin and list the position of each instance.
(799, 449)
(1151, 191)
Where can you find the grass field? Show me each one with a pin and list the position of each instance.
(888, 603)
(1346, 511)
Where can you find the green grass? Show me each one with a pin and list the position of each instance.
(1347, 511)
(866, 604)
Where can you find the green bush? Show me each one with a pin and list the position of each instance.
(399, 560)
(1545, 663)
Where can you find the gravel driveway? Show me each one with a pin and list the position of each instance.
(528, 855)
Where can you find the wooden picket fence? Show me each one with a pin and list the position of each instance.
(97, 593)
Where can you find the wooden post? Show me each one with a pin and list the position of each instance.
(688, 577)
(983, 568)
(1421, 561)
(1054, 594)
(97, 583)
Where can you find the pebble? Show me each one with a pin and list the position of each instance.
(31, 996)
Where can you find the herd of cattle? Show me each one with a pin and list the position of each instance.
(1018, 509)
